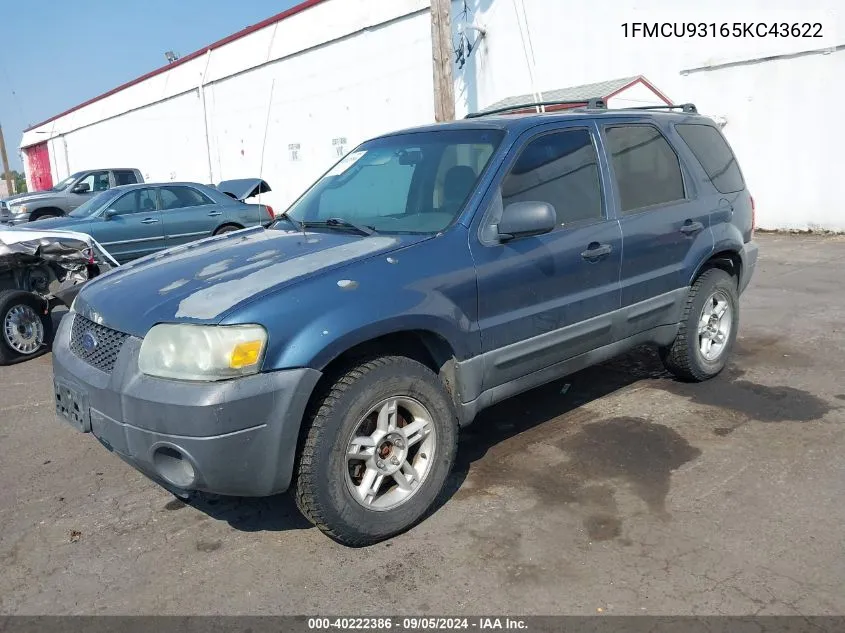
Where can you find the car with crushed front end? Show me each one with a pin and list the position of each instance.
(426, 276)
(40, 270)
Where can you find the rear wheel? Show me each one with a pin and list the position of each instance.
(227, 228)
(26, 331)
(381, 442)
(708, 328)
(47, 215)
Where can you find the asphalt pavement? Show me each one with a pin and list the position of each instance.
(616, 490)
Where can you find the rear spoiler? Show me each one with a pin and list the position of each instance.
(243, 188)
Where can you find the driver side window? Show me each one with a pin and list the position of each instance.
(134, 202)
(560, 168)
(96, 181)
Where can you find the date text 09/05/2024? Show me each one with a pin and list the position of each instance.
(724, 29)
(416, 623)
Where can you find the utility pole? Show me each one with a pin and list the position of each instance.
(441, 48)
(5, 160)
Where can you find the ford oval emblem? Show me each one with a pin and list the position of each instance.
(89, 342)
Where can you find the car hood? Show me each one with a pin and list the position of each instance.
(20, 198)
(204, 281)
(53, 224)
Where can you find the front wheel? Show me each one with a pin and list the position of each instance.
(381, 443)
(708, 328)
(26, 329)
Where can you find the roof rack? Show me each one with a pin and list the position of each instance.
(684, 107)
(594, 103)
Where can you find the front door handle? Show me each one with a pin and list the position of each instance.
(596, 251)
(691, 228)
(149, 221)
(213, 214)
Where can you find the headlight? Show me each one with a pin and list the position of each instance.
(202, 352)
(17, 210)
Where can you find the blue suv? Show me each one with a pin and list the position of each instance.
(429, 274)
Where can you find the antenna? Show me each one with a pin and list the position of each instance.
(264, 140)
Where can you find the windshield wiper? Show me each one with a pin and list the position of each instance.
(342, 224)
(299, 226)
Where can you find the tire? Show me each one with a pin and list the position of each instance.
(227, 228)
(18, 330)
(329, 484)
(689, 357)
(46, 216)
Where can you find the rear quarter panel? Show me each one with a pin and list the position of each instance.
(244, 214)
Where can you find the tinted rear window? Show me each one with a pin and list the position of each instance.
(645, 166)
(715, 156)
(125, 177)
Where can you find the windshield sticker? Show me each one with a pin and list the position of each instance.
(346, 163)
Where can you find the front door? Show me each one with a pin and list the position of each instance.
(548, 298)
(665, 226)
(131, 226)
(92, 184)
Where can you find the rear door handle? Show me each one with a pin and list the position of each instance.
(212, 214)
(149, 221)
(691, 228)
(596, 251)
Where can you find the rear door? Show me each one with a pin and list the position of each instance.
(188, 214)
(135, 228)
(547, 298)
(664, 226)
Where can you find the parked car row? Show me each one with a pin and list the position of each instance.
(65, 196)
(46, 235)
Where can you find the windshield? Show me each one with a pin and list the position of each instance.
(66, 182)
(92, 205)
(409, 183)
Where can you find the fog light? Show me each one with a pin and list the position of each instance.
(174, 467)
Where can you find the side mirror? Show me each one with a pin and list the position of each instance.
(523, 219)
(108, 214)
(82, 187)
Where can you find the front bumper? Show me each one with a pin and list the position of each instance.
(748, 255)
(235, 437)
(14, 220)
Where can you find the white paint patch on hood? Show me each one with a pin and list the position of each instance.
(214, 269)
(214, 300)
(176, 284)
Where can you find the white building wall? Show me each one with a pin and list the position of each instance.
(351, 69)
(165, 141)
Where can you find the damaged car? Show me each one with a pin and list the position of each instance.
(38, 271)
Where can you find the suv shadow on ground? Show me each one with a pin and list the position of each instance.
(493, 426)
(742, 400)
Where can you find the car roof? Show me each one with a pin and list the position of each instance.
(141, 185)
(519, 122)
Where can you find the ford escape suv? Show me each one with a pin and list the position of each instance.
(429, 274)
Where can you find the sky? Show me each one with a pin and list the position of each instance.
(55, 55)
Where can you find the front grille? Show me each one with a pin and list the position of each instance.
(101, 348)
